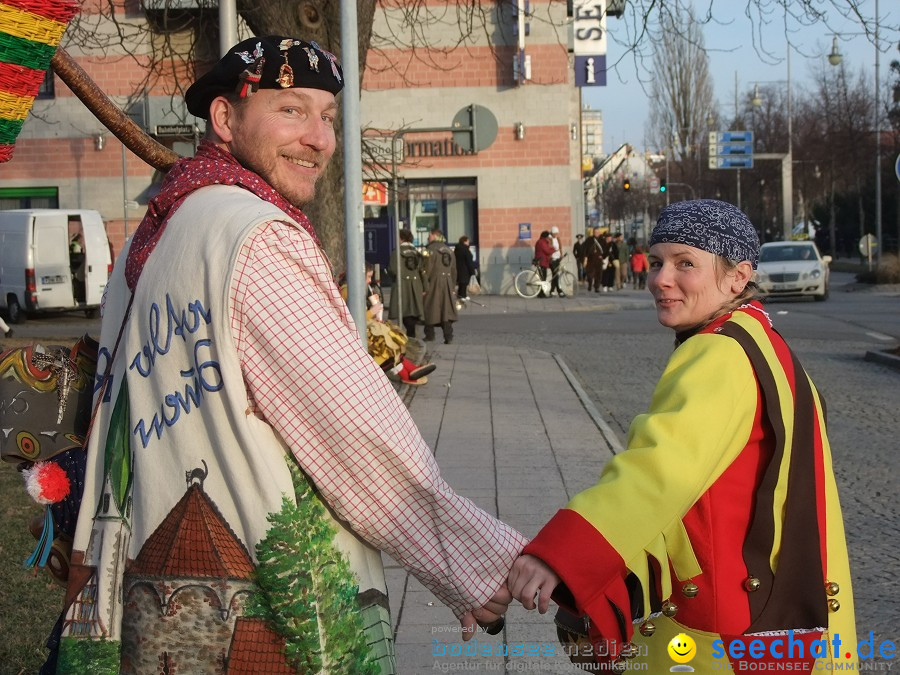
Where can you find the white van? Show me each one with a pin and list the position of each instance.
(52, 259)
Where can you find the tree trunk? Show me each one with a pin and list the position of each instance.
(318, 20)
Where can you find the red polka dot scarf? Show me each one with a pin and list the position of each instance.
(210, 166)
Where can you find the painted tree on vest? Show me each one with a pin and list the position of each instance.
(314, 607)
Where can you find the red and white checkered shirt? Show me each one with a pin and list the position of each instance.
(309, 376)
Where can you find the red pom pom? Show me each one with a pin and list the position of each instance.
(46, 482)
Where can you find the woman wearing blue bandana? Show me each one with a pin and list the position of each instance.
(719, 526)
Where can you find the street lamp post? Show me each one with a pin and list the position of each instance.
(787, 169)
(787, 166)
(835, 58)
(877, 144)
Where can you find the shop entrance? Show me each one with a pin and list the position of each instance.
(450, 204)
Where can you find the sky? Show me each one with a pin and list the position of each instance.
(730, 46)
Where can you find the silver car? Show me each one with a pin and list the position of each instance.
(790, 268)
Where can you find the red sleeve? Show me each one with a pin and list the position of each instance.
(581, 556)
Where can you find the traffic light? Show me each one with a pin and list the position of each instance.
(662, 185)
(626, 185)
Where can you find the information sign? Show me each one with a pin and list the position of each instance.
(524, 231)
(589, 45)
(590, 71)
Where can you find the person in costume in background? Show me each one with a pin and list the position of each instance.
(411, 282)
(440, 287)
(384, 340)
(594, 256)
(249, 457)
(721, 519)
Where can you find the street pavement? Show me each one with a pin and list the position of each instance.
(513, 431)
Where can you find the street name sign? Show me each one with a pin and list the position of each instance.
(379, 149)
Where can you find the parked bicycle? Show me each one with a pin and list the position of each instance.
(528, 282)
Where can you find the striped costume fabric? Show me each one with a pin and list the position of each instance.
(30, 31)
(728, 478)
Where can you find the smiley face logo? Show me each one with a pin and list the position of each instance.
(682, 648)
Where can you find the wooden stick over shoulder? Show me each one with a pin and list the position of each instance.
(123, 127)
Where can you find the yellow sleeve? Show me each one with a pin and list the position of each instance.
(699, 421)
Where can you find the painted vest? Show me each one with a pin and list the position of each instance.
(201, 548)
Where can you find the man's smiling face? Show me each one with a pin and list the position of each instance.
(285, 136)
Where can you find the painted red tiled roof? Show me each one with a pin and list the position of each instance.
(256, 648)
(193, 541)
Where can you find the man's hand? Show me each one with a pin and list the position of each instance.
(492, 611)
(529, 577)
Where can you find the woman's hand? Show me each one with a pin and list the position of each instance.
(530, 577)
(492, 611)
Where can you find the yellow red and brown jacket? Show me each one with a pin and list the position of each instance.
(723, 510)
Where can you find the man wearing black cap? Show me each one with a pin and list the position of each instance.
(233, 363)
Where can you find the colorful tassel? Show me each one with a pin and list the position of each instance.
(46, 482)
(45, 543)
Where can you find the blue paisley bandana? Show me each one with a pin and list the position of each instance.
(710, 225)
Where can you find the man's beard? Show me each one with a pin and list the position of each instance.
(290, 195)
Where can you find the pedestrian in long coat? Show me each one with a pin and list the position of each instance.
(411, 283)
(440, 280)
(594, 254)
(465, 266)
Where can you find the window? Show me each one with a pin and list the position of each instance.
(47, 87)
(450, 204)
(29, 198)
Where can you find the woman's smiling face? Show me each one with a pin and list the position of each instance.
(687, 287)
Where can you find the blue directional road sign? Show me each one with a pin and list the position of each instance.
(731, 162)
(716, 137)
(730, 149)
(733, 149)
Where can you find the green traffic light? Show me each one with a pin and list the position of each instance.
(662, 188)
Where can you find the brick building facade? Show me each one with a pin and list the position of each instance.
(527, 180)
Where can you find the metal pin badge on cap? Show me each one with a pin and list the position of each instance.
(248, 80)
(286, 73)
(271, 62)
